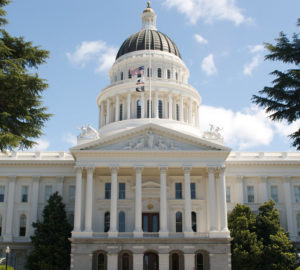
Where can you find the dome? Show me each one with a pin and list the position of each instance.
(140, 41)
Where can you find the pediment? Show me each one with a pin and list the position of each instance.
(151, 138)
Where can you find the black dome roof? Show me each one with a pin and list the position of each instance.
(140, 41)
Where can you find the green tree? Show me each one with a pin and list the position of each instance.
(22, 114)
(282, 100)
(278, 251)
(51, 247)
(246, 249)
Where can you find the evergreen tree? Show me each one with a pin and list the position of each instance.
(246, 249)
(278, 251)
(282, 100)
(21, 112)
(51, 247)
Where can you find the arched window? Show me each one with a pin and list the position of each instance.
(169, 74)
(175, 261)
(129, 74)
(106, 221)
(177, 112)
(121, 221)
(22, 225)
(138, 109)
(122, 76)
(159, 73)
(298, 224)
(149, 108)
(199, 262)
(194, 221)
(0, 225)
(150, 261)
(160, 109)
(101, 265)
(121, 112)
(178, 222)
(125, 261)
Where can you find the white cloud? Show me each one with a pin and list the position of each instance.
(256, 48)
(70, 139)
(42, 145)
(241, 130)
(208, 10)
(208, 65)
(94, 50)
(255, 62)
(284, 129)
(200, 39)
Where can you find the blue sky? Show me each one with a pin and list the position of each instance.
(220, 41)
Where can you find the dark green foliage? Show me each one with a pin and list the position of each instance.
(245, 248)
(282, 100)
(21, 112)
(51, 247)
(259, 242)
(278, 251)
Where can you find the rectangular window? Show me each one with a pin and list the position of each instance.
(178, 191)
(122, 191)
(193, 191)
(274, 193)
(2, 191)
(48, 192)
(107, 190)
(250, 194)
(228, 198)
(24, 194)
(297, 193)
(72, 194)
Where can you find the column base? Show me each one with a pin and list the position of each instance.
(163, 234)
(7, 238)
(82, 234)
(219, 234)
(112, 234)
(188, 234)
(138, 234)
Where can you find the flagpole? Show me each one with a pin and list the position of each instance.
(150, 73)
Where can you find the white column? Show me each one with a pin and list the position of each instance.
(128, 105)
(156, 104)
(142, 105)
(113, 232)
(197, 115)
(138, 261)
(89, 200)
(10, 209)
(212, 199)
(240, 190)
(163, 232)
(222, 200)
(117, 114)
(34, 202)
(107, 111)
(187, 203)
(181, 109)
(264, 189)
(112, 261)
(78, 200)
(174, 109)
(101, 115)
(170, 106)
(163, 261)
(189, 261)
(190, 119)
(288, 206)
(60, 185)
(138, 232)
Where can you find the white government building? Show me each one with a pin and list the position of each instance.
(146, 191)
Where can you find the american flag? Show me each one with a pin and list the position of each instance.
(137, 71)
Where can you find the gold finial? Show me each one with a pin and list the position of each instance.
(148, 4)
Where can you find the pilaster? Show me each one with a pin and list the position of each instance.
(138, 232)
(89, 200)
(113, 232)
(10, 209)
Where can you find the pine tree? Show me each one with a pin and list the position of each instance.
(51, 247)
(22, 115)
(282, 100)
(246, 249)
(278, 251)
